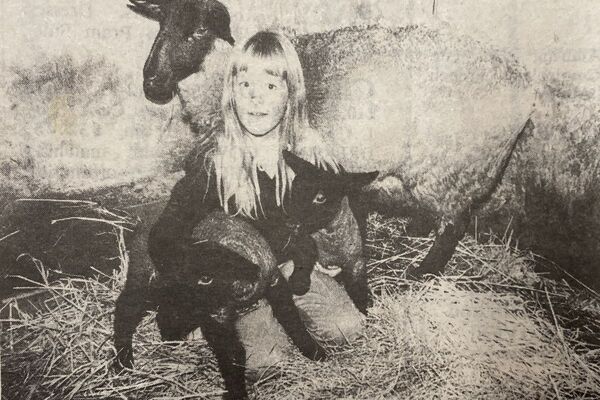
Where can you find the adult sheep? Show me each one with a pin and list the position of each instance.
(438, 114)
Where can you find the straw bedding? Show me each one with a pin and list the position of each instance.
(491, 328)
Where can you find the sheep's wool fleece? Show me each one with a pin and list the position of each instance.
(431, 109)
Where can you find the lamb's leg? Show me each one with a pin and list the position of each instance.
(443, 247)
(231, 356)
(361, 213)
(173, 323)
(130, 308)
(305, 254)
(286, 312)
(137, 296)
(354, 279)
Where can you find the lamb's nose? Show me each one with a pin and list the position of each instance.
(293, 227)
(243, 290)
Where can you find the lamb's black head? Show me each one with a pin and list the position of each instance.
(216, 280)
(188, 30)
(316, 194)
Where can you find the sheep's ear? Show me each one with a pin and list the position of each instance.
(358, 180)
(219, 21)
(146, 8)
(298, 165)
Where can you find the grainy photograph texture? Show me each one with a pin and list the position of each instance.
(358, 199)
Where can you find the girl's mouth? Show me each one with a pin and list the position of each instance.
(257, 114)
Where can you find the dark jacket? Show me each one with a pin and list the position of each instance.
(192, 198)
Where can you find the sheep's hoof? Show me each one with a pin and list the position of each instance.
(319, 355)
(418, 274)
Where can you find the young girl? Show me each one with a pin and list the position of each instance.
(240, 169)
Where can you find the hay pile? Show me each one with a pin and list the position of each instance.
(490, 329)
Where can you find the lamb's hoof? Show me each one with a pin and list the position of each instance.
(121, 363)
(239, 395)
(123, 358)
(364, 306)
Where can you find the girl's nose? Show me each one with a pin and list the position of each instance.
(254, 94)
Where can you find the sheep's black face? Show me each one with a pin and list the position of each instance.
(188, 30)
(217, 281)
(316, 194)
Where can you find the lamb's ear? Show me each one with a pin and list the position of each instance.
(211, 250)
(204, 244)
(360, 179)
(208, 249)
(219, 21)
(299, 165)
(177, 253)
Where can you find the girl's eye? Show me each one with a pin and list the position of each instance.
(320, 198)
(245, 84)
(205, 280)
(272, 86)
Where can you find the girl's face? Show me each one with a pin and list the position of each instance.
(260, 97)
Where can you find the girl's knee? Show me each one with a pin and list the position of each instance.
(340, 328)
(265, 342)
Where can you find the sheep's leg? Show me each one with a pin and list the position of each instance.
(231, 356)
(443, 247)
(420, 224)
(446, 242)
(286, 312)
(354, 279)
(130, 308)
(305, 254)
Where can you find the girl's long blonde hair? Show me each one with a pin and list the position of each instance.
(233, 160)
